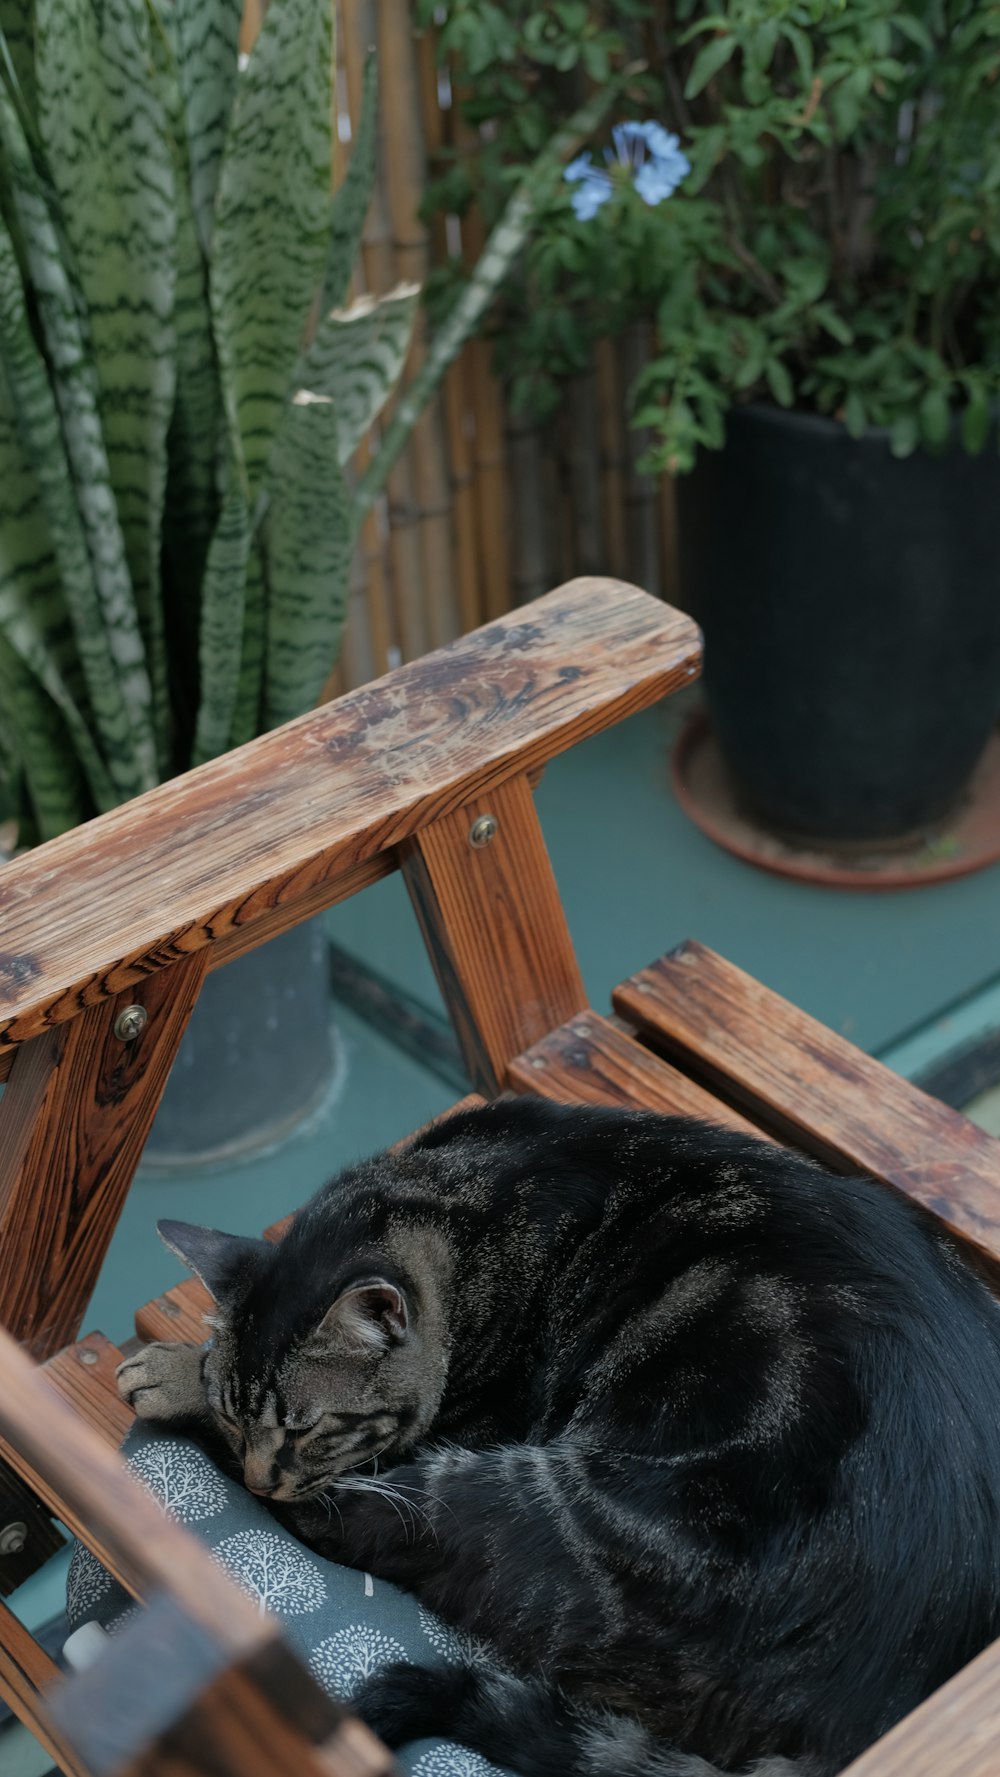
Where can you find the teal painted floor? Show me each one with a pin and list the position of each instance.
(906, 974)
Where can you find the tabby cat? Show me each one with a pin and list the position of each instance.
(700, 1439)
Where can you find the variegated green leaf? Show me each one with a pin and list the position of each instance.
(196, 435)
(220, 640)
(97, 589)
(206, 36)
(249, 696)
(109, 155)
(272, 220)
(41, 538)
(350, 203)
(357, 358)
(17, 49)
(52, 775)
(308, 539)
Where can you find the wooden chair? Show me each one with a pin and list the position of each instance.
(429, 771)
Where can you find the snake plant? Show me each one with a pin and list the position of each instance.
(183, 384)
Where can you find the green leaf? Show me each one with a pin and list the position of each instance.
(221, 637)
(52, 777)
(308, 544)
(206, 36)
(351, 201)
(357, 358)
(33, 620)
(904, 435)
(779, 382)
(248, 713)
(110, 159)
(935, 416)
(272, 221)
(833, 323)
(710, 58)
(976, 420)
(855, 414)
(17, 27)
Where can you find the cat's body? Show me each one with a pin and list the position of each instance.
(682, 1426)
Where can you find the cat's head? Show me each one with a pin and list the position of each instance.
(307, 1381)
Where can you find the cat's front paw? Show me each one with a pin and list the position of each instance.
(163, 1381)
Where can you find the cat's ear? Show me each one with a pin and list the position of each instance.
(372, 1313)
(220, 1260)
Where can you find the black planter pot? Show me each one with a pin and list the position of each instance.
(851, 610)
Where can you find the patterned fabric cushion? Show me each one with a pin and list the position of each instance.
(342, 1623)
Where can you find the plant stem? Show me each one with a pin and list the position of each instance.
(502, 248)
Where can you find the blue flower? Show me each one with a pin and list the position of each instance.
(651, 155)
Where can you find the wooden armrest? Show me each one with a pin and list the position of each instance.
(252, 842)
(956, 1733)
(815, 1089)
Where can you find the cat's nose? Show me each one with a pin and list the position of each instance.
(261, 1492)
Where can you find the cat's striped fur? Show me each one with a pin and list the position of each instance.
(701, 1439)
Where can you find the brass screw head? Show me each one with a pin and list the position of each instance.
(483, 830)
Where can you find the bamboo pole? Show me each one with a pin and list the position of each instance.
(429, 511)
(532, 544)
(612, 442)
(583, 473)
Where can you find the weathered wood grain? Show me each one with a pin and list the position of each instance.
(495, 929)
(956, 1733)
(590, 1061)
(817, 1089)
(73, 1120)
(257, 834)
(84, 1375)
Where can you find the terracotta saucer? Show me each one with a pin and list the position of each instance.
(968, 839)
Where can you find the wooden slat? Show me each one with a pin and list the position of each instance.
(26, 1672)
(590, 1061)
(495, 929)
(73, 1120)
(956, 1733)
(84, 1375)
(177, 1316)
(817, 1089)
(249, 835)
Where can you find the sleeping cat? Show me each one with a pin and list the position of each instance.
(701, 1439)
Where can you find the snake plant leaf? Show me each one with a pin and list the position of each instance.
(206, 41)
(222, 617)
(97, 589)
(357, 357)
(17, 28)
(351, 200)
(272, 214)
(105, 134)
(247, 714)
(308, 543)
(43, 671)
(43, 550)
(52, 776)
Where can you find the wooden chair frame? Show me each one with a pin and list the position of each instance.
(133, 909)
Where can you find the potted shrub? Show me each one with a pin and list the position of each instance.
(182, 389)
(825, 293)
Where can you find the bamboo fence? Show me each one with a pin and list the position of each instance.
(484, 510)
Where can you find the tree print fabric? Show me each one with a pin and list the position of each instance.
(342, 1623)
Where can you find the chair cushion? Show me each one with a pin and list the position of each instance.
(342, 1623)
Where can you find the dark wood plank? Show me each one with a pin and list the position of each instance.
(590, 1061)
(956, 1733)
(815, 1088)
(26, 1674)
(73, 1120)
(495, 929)
(249, 837)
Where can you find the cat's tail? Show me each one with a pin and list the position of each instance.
(521, 1724)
